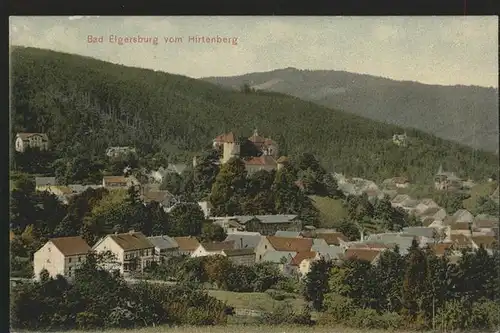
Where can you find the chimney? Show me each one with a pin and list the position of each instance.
(241, 242)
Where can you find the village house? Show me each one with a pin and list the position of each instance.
(396, 182)
(400, 140)
(281, 244)
(302, 261)
(244, 239)
(447, 181)
(133, 251)
(486, 224)
(282, 261)
(244, 257)
(60, 256)
(42, 182)
(213, 248)
(425, 205)
(461, 242)
(159, 175)
(31, 140)
(187, 245)
(391, 240)
(164, 247)
(263, 224)
(120, 151)
(489, 243)
(164, 198)
(115, 182)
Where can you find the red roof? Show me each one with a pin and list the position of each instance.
(300, 256)
(361, 254)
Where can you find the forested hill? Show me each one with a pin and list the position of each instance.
(465, 114)
(86, 105)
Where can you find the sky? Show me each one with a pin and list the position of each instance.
(446, 50)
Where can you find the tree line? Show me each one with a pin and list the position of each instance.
(418, 290)
(86, 105)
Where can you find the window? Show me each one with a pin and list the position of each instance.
(265, 247)
(70, 268)
(69, 260)
(69, 274)
(79, 259)
(48, 261)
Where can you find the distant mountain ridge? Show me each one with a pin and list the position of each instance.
(464, 114)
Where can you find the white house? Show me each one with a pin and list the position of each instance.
(31, 140)
(60, 256)
(118, 151)
(211, 249)
(133, 251)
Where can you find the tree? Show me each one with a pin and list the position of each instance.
(172, 182)
(485, 205)
(383, 212)
(186, 219)
(212, 233)
(229, 188)
(416, 281)
(316, 283)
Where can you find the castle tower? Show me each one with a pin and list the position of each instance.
(230, 150)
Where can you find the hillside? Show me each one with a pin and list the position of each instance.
(86, 105)
(465, 114)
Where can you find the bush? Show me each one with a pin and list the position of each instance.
(337, 309)
(284, 314)
(391, 320)
(365, 318)
(87, 320)
(485, 315)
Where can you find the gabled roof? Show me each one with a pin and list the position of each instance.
(460, 240)
(277, 256)
(158, 196)
(333, 238)
(290, 234)
(361, 254)
(279, 218)
(290, 244)
(440, 248)
(300, 256)
(71, 246)
(400, 198)
(45, 181)
(218, 246)
(187, 244)
(132, 241)
(461, 212)
(488, 242)
(244, 240)
(238, 252)
(163, 242)
(256, 138)
(429, 211)
(115, 179)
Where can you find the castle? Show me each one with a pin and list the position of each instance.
(230, 146)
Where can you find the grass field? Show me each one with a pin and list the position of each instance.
(255, 301)
(483, 189)
(331, 210)
(246, 329)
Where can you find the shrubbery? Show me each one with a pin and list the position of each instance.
(97, 299)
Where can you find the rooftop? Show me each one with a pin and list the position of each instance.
(131, 241)
(290, 244)
(71, 246)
